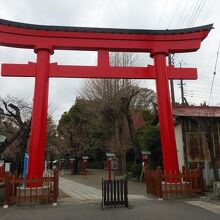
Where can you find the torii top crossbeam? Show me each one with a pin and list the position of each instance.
(44, 40)
(30, 36)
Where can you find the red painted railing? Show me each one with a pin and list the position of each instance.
(2, 173)
(16, 190)
(176, 184)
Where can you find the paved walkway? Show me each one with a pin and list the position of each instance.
(81, 192)
(215, 208)
(94, 179)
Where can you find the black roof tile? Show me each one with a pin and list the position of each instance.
(105, 30)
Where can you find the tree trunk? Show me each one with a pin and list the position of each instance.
(51, 161)
(133, 136)
(122, 167)
(121, 153)
(23, 147)
(126, 110)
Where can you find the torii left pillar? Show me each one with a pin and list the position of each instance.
(39, 114)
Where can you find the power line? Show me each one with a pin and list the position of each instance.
(197, 13)
(183, 12)
(193, 11)
(163, 10)
(209, 10)
(174, 14)
(214, 73)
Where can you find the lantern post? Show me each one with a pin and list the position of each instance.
(72, 161)
(85, 163)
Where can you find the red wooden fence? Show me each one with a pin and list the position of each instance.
(15, 190)
(2, 173)
(179, 184)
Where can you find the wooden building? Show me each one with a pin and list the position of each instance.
(197, 131)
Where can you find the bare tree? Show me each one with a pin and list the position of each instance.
(16, 118)
(106, 95)
(125, 107)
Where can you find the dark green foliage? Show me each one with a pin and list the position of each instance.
(80, 128)
(136, 170)
(148, 116)
(130, 165)
(96, 165)
(130, 155)
(98, 154)
(150, 140)
(100, 121)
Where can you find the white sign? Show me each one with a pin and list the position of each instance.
(7, 167)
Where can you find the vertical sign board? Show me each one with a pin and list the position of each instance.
(25, 165)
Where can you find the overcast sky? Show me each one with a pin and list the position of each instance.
(137, 14)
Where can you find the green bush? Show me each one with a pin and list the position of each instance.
(96, 165)
(130, 164)
(150, 141)
(136, 170)
(98, 154)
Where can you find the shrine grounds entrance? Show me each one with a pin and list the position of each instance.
(63, 186)
(45, 40)
(90, 188)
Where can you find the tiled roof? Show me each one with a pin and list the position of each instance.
(196, 111)
(105, 30)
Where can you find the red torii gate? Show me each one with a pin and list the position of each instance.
(45, 39)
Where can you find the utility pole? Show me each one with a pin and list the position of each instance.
(181, 87)
(182, 91)
(171, 82)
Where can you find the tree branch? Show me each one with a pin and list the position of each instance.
(6, 107)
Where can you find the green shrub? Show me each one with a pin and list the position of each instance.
(96, 165)
(136, 170)
(130, 164)
(98, 154)
(150, 141)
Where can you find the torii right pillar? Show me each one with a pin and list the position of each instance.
(168, 142)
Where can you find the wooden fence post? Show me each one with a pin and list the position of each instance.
(56, 185)
(146, 179)
(201, 180)
(6, 189)
(159, 182)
